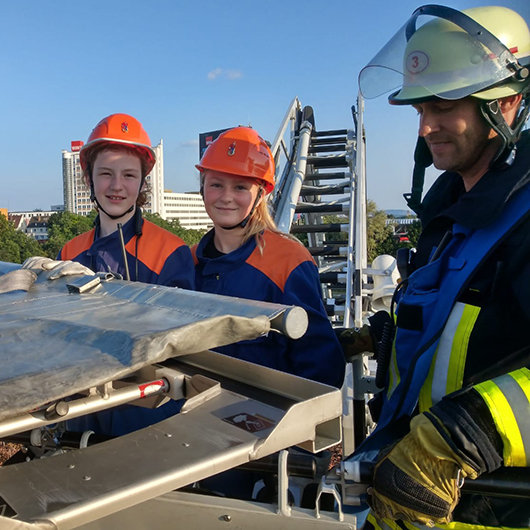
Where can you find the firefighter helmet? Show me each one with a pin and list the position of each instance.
(120, 129)
(240, 151)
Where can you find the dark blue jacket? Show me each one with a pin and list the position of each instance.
(284, 273)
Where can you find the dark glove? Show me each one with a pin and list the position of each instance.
(419, 479)
(355, 341)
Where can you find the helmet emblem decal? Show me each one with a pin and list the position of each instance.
(125, 127)
(417, 62)
(232, 149)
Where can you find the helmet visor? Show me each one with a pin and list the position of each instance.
(439, 52)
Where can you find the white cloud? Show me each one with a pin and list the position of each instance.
(190, 143)
(227, 74)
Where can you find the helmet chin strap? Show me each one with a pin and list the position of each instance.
(422, 160)
(491, 110)
(245, 221)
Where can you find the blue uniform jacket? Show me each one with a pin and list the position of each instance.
(285, 274)
(157, 257)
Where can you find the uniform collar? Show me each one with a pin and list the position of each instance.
(225, 262)
(128, 233)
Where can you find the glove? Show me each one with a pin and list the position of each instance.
(57, 268)
(355, 341)
(419, 479)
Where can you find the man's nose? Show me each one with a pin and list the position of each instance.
(428, 124)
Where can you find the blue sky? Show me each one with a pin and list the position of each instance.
(184, 67)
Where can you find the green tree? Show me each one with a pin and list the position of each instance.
(390, 245)
(63, 226)
(377, 231)
(16, 246)
(188, 235)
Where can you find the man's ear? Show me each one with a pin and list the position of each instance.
(510, 103)
(510, 106)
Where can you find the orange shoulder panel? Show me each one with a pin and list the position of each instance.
(155, 246)
(280, 257)
(194, 253)
(76, 246)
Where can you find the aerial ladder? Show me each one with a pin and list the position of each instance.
(320, 196)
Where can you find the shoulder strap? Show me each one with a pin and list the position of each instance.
(477, 247)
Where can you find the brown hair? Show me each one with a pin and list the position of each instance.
(92, 155)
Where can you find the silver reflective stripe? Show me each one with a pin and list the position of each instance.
(443, 356)
(520, 407)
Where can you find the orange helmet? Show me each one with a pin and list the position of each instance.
(120, 129)
(240, 151)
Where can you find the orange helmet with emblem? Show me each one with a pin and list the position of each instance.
(240, 151)
(120, 129)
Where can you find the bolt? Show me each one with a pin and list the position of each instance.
(87, 478)
(71, 466)
(185, 444)
(226, 518)
(168, 435)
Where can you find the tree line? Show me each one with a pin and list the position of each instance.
(16, 246)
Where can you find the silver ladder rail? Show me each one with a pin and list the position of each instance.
(325, 175)
(320, 178)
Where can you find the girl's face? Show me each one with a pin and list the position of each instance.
(117, 177)
(228, 198)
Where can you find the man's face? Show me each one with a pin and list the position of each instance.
(457, 134)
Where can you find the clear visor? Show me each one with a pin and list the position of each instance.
(436, 55)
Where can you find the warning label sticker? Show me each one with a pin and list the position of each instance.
(250, 422)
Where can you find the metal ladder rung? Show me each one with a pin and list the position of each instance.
(327, 148)
(328, 161)
(336, 132)
(325, 208)
(335, 189)
(315, 229)
(329, 250)
(328, 176)
(328, 140)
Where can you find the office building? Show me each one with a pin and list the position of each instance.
(188, 208)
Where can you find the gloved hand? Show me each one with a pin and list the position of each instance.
(419, 479)
(355, 341)
(57, 269)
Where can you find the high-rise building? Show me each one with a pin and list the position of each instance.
(77, 195)
(188, 208)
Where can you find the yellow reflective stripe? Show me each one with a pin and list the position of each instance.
(455, 525)
(447, 369)
(387, 524)
(457, 363)
(464, 526)
(505, 421)
(425, 401)
(382, 524)
(522, 377)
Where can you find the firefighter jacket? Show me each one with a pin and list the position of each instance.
(479, 359)
(282, 272)
(154, 255)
